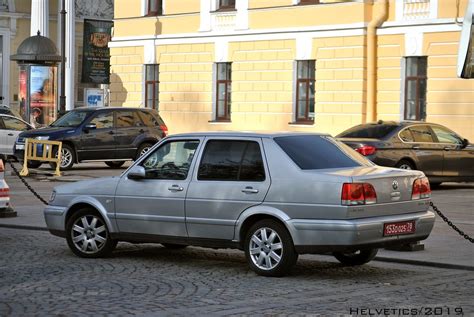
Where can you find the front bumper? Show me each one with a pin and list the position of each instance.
(55, 219)
(316, 236)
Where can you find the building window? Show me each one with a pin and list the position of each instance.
(226, 5)
(151, 86)
(223, 91)
(155, 7)
(415, 88)
(305, 83)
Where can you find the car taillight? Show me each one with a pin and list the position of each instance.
(164, 128)
(358, 194)
(421, 189)
(4, 192)
(366, 150)
(2, 167)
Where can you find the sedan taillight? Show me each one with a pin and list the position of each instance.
(358, 194)
(421, 189)
(366, 150)
(164, 128)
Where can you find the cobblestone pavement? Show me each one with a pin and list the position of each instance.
(40, 276)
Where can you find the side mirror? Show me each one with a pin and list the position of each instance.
(90, 126)
(136, 172)
(465, 143)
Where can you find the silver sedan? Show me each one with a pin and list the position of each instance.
(272, 195)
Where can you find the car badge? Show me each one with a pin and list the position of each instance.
(395, 185)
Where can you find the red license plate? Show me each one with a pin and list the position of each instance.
(398, 228)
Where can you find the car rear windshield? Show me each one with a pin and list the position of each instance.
(311, 152)
(71, 119)
(371, 131)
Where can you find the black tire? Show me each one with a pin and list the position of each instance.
(356, 258)
(174, 246)
(286, 254)
(114, 164)
(142, 149)
(84, 247)
(68, 159)
(405, 164)
(33, 164)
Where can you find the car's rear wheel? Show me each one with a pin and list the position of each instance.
(174, 246)
(114, 164)
(88, 236)
(269, 248)
(142, 149)
(405, 165)
(357, 257)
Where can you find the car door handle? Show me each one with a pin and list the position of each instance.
(415, 147)
(249, 190)
(447, 148)
(10, 134)
(175, 188)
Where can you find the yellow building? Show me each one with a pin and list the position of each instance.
(292, 65)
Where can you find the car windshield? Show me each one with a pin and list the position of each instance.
(71, 119)
(311, 152)
(371, 131)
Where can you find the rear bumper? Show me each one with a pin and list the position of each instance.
(316, 236)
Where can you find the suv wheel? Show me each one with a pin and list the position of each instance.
(269, 248)
(114, 164)
(88, 236)
(142, 149)
(356, 258)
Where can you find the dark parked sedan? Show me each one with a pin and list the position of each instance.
(434, 149)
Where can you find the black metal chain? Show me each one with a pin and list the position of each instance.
(452, 225)
(26, 183)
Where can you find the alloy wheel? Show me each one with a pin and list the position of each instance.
(89, 234)
(144, 150)
(266, 248)
(66, 157)
(405, 167)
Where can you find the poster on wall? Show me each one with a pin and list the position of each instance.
(42, 95)
(22, 93)
(94, 97)
(96, 53)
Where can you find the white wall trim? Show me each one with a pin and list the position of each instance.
(413, 43)
(433, 9)
(304, 47)
(144, 7)
(205, 16)
(419, 28)
(275, 34)
(221, 51)
(242, 17)
(149, 52)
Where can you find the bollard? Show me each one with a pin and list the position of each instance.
(6, 210)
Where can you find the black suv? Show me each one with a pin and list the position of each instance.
(113, 135)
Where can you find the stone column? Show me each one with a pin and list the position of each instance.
(39, 17)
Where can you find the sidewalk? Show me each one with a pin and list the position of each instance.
(444, 247)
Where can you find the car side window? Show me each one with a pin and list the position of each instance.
(228, 160)
(422, 133)
(407, 136)
(127, 119)
(149, 119)
(446, 136)
(14, 124)
(104, 120)
(171, 160)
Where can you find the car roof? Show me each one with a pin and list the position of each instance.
(245, 134)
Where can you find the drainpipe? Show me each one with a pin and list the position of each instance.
(377, 19)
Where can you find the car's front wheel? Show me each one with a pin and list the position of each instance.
(269, 248)
(88, 236)
(68, 157)
(357, 257)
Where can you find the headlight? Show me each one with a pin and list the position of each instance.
(53, 195)
(42, 138)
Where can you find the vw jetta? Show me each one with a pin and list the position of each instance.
(272, 195)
